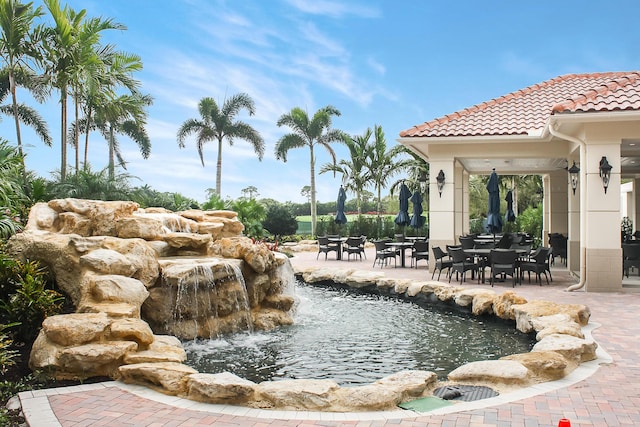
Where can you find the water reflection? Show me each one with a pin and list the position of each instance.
(356, 339)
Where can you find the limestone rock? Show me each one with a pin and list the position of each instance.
(131, 330)
(164, 348)
(408, 384)
(556, 324)
(524, 313)
(94, 359)
(279, 302)
(76, 328)
(483, 304)
(42, 217)
(543, 365)
(213, 229)
(508, 372)
(224, 387)
(503, 305)
(361, 278)
(267, 319)
(310, 395)
(107, 261)
(139, 226)
(114, 288)
(465, 297)
(73, 223)
(371, 397)
(160, 247)
(113, 310)
(44, 352)
(167, 377)
(187, 240)
(572, 348)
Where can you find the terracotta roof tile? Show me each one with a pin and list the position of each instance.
(519, 112)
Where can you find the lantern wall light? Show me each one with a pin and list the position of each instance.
(440, 181)
(605, 172)
(574, 172)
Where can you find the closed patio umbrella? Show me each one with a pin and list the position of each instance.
(509, 216)
(494, 220)
(403, 215)
(417, 220)
(340, 216)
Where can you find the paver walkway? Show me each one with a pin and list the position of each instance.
(608, 397)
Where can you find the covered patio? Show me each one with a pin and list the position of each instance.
(543, 129)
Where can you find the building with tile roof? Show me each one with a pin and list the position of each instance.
(542, 129)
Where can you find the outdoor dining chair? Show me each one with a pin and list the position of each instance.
(461, 264)
(630, 258)
(354, 246)
(503, 262)
(324, 247)
(539, 263)
(420, 251)
(441, 263)
(383, 253)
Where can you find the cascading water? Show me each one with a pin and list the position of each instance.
(207, 298)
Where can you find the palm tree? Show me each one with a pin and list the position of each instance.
(114, 69)
(309, 133)
(59, 45)
(17, 47)
(125, 114)
(217, 124)
(382, 163)
(353, 170)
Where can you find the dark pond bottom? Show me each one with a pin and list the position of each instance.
(356, 339)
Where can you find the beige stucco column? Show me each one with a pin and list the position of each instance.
(635, 201)
(442, 211)
(603, 256)
(546, 209)
(559, 189)
(461, 202)
(573, 244)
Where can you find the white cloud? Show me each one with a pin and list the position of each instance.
(334, 9)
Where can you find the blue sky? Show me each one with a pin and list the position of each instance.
(395, 64)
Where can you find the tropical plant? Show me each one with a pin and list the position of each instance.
(111, 70)
(214, 202)
(59, 44)
(26, 299)
(86, 184)
(354, 170)
(382, 164)
(127, 115)
(309, 133)
(7, 354)
(18, 49)
(88, 69)
(251, 214)
(279, 221)
(218, 124)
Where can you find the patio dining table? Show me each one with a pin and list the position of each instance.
(402, 246)
(483, 253)
(339, 241)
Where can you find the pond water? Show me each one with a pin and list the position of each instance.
(356, 338)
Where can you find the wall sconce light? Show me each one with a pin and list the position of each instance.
(573, 176)
(605, 172)
(440, 181)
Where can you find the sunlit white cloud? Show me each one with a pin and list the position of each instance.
(335, 9)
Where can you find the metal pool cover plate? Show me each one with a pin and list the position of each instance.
(465, 393)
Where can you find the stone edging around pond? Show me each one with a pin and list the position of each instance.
(560, 349)
(561, 345)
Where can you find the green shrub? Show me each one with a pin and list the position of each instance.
(26, 301)
(7, 354)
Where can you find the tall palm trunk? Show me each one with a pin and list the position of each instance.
(76, 132)
(219, 168)
(63, 133)
(314, 214)
(112, 150)
(85, 164)
(14, 100)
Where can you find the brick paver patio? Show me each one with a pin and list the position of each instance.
(609, 397)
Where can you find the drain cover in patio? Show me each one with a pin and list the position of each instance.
(465, 393)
